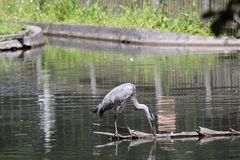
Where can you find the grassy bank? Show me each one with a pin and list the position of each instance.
(70, 11)
(9, 28)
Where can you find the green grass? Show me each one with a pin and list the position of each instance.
(9, 28)
(70, 11)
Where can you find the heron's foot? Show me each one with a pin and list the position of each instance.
(132, 133)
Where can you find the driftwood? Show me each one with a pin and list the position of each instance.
(201, 132)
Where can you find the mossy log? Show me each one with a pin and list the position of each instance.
(132, 134)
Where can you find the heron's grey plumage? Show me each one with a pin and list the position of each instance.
(117, 98)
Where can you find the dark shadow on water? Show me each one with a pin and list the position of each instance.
(34, 53)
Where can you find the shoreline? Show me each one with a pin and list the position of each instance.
(31, 37)
(136, 37)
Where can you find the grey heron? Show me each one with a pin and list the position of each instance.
(116, 100)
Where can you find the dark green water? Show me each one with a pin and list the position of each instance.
(46, 96)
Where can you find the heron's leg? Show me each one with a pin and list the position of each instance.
(115, 124)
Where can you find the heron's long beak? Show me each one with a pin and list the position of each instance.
(152, 125)
(154, 131)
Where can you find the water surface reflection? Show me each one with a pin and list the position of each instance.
(46, 95)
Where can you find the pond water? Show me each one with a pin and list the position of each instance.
(47, 93)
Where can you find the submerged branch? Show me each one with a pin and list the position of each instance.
(200, 133)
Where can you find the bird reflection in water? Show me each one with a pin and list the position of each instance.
(132, 143)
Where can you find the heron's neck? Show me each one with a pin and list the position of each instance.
(138, 105)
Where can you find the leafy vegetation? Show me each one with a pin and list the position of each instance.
(9, 28)
(70, 11)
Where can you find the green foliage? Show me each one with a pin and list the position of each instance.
(9, 28)
(189, 22)
(148, 17)
(65, 11)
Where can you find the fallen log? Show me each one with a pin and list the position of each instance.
(205, 132)
(132, 134)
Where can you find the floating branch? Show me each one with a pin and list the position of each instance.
(199, 133)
